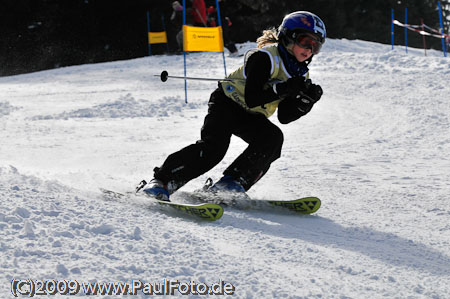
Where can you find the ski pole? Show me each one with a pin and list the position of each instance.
(165, 75)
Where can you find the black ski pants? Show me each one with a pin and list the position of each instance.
(224, 119)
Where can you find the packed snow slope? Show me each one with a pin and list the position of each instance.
(375, 149)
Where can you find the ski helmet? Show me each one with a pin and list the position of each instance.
(298, 24)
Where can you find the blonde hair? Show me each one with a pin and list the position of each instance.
(268, 37)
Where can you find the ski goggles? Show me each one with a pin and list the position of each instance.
(308, 42)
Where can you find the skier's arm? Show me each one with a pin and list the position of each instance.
(257, 70)
(292, 108)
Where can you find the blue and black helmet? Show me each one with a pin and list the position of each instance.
(301, 22)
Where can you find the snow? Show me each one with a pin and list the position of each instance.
(375, 149)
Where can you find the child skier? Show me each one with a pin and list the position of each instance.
(273, 76)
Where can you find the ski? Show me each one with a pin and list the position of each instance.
(241, 200)
(204, 211)
(208, 206)
(304, 205)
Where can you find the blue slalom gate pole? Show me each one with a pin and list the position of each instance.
(220, 24)
(392, 28)
(406, 30)
(442, 30)
(148, 32)
(184, 53)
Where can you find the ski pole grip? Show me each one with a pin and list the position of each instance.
(164, 76)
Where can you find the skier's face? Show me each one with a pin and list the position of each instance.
(301, 54)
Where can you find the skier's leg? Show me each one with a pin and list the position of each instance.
(265, 142)
(198, 158)
(190, 162)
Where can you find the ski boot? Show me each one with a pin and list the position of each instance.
(226, 191)
(158, 190)
(227, 184)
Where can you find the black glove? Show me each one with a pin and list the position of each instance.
(314, 92)
(307, 100)
(293, 86)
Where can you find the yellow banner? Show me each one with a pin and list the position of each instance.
(202, 39)
(157, 37)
